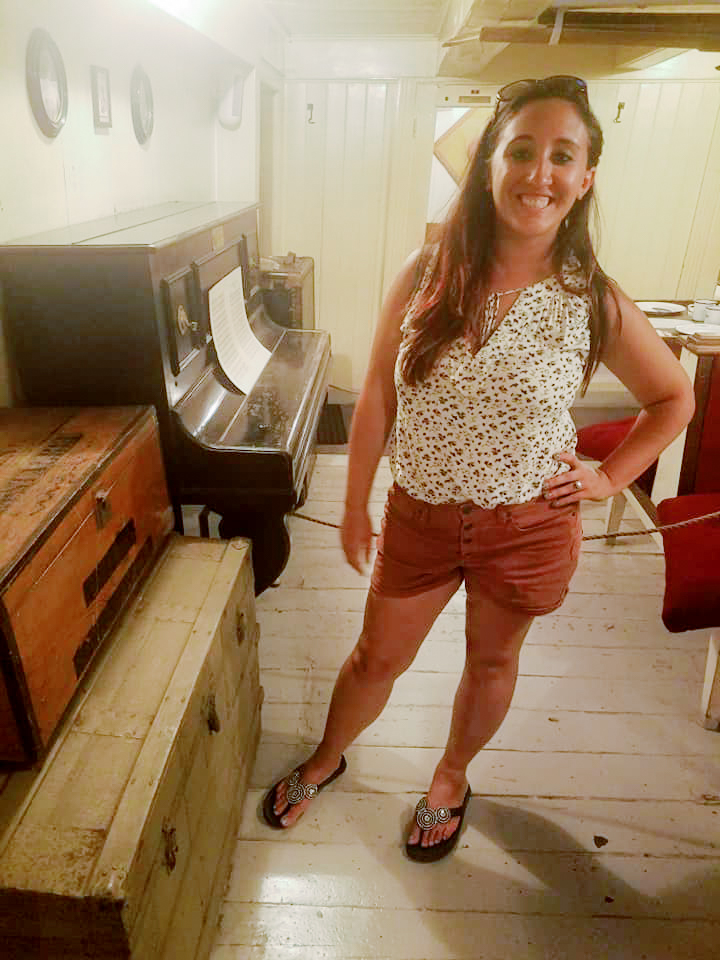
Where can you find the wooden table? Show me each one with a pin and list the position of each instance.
(691, 464)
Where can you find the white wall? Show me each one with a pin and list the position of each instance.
(353, 184)
(358, 208)
(243, 27)
(81, 173)
(658, 183)
(658, 186)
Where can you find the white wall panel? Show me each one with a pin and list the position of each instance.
(701, 266)
(368, 220)
(354, 195)
(412, 141)
(654, 171)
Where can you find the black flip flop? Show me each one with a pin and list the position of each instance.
(297, 792)
(426, 818)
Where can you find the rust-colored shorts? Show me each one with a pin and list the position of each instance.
(521, 555)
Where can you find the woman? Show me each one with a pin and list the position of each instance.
(482, 343)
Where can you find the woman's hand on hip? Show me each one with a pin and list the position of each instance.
(580, 482)
(356, 537)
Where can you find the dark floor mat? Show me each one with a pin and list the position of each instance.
(331, 426)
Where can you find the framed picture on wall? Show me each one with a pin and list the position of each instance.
(46, 82)
(141, 104)
(102, 107)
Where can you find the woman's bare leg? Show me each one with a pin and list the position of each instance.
(392, 632)
(494, 636)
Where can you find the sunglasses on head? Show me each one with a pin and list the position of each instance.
(562, 86)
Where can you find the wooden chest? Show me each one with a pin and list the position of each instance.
(84, 510)
(120, 846)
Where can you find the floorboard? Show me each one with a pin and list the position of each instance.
(594, 828)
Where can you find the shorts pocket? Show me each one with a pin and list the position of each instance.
(404, 507)
(526, 516)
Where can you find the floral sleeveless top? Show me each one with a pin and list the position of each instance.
(484, 427)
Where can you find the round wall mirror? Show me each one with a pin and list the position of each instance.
(46, 82)
(141, 103)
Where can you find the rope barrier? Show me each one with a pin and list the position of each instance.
(666, 526)
(596, 536)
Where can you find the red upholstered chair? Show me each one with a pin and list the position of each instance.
(595, 442)
(692, 583)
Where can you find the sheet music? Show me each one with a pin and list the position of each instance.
(240, 353)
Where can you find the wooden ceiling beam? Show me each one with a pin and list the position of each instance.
(695, 23)
(617, 37)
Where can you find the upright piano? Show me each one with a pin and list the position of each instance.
(116, 312)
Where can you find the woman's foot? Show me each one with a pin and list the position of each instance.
(447, 792)
(288, 800)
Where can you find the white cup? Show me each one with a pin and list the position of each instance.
(700, 308)
(712, 313)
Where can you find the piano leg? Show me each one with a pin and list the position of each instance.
(270, 542)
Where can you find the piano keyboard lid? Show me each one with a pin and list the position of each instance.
(272, 415)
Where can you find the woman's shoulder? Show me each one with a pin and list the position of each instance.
(416, 272)
(413, 268)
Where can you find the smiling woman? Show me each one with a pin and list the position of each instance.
(484, 338)
(540, 168)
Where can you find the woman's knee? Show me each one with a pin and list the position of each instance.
(371, 661)
(484, 664)
(494, 634)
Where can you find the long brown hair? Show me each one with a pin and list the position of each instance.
(454, 272)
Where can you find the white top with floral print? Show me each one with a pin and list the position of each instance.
(484, 427)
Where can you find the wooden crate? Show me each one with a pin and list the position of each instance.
(120, 845)
(84, 510)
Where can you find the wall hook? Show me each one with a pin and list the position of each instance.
(310, 109)
(620, 108)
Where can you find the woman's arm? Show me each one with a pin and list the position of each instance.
(373, 417)
(647, 367)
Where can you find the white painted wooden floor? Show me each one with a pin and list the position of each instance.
(594, 829)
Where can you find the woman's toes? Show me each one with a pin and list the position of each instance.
(431, 837)
(438, 833)
(292, 815)
(280, 798)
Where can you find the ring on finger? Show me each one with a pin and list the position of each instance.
(578, 484)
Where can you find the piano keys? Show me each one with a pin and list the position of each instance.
(115, 312)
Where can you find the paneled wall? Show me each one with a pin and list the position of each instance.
(659, 186)
(353, 195)
(356, 178)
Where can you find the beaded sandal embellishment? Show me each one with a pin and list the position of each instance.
(297, 791)
(427, 817)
